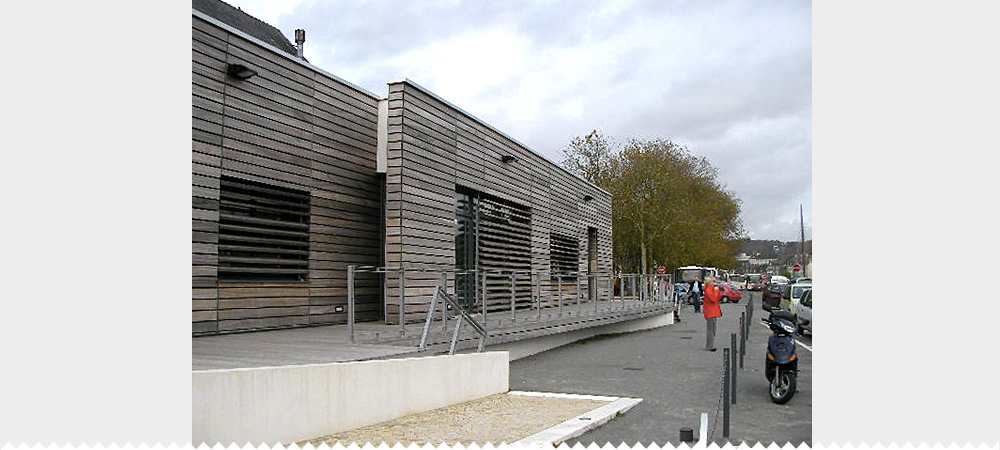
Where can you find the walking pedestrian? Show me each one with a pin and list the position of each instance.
(712, 312)
(695, 293)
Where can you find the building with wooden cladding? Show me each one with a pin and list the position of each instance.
(298, 174)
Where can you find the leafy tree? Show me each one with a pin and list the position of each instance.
(668, 206)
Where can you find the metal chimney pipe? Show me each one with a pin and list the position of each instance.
(300, 39)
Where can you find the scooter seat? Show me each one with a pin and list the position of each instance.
(782, 314)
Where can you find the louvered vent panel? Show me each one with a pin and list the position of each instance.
(564, 255)
(263, 232)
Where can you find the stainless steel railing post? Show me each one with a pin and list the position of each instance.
(579, 293)
(350, 303)
(444, 305)
(513, 297)
(485, 322)
(402, 300)
(559, 278)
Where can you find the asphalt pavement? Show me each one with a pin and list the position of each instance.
(678, 380)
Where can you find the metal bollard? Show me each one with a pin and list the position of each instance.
(725, 393)
(743, 338)
(749, 317)
(733, 365)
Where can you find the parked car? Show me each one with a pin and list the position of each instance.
(804, 314)
(771, 296)
(791, 295)
(730, 293)
(681, 290)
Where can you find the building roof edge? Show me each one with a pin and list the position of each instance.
(491, 127)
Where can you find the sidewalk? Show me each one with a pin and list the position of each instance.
(677, 379)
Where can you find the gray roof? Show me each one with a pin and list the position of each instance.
(236, 18)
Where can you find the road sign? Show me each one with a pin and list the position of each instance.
(796, 268)
(661, 269)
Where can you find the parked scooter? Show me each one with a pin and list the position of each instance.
(781, 364)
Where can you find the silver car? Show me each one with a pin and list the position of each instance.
(804, 314)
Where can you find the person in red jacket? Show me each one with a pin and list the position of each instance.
(712, 312)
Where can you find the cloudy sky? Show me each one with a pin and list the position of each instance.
(732, 81)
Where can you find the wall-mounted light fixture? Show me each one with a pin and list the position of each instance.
(507, 159)
(338, 309)
(587, 198)
(240, 71)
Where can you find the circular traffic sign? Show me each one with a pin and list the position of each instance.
(796, 268)
(661, 269)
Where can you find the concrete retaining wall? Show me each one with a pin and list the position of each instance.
(292, 403)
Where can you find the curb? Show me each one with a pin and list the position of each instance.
(576, 426)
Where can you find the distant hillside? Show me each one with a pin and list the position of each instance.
(784, 251)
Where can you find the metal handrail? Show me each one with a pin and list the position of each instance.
(464, 315)
(629, 282)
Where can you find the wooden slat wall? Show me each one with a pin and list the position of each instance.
(288, 126)
(432, 148)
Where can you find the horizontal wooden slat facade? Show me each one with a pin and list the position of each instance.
(434, 148)
(294, 127)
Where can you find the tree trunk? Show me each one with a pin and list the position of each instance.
(642, 246)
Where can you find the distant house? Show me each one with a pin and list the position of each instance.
(298, 174)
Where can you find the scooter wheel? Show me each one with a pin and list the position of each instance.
(783, 387)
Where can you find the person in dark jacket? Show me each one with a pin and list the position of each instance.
(712, 312)
(695, 291)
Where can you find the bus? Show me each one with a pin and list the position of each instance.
(687, 274)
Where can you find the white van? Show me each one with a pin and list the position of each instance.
(778, 279)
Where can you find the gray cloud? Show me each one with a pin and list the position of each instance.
(730, 80)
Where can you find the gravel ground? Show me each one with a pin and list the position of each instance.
(497, 418)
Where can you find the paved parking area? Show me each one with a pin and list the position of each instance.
(677, 380)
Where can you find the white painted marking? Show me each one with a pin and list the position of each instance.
(703, 432)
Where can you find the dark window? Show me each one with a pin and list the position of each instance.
(263, 232)
(564, 255)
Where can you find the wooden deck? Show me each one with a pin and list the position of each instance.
(377, 340)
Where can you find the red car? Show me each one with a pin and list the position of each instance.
(730, 293)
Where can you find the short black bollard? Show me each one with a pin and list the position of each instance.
(725, 393)
(733, 365)
(743, 338)
(687, 435)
